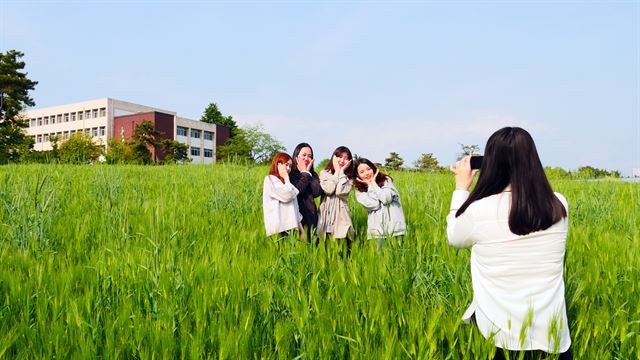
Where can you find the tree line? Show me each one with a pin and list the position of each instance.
(247, 144)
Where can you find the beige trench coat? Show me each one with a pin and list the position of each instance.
(336, 189)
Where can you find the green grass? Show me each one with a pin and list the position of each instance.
(172, 262)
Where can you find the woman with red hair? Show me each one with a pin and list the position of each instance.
(279, 198)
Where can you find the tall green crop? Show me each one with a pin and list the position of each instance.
(172, 262)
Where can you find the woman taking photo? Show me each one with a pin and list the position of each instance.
(516, 227)
(377, 194)
(336, 183)
(279, 201)
(305, 179)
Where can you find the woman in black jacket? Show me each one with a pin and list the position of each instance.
(305, 179)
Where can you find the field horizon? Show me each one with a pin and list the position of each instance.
(126, 261)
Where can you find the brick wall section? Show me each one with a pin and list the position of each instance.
(222, 135)
(124, 127)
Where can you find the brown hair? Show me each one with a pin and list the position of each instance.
(337, 152)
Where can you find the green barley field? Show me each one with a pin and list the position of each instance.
(172, 262)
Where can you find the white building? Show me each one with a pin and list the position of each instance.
(99, 118)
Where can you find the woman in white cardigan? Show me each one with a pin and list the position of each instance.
(279, 198)
(516, 227)
(377, 194)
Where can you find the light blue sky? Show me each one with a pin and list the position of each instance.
(409, 77)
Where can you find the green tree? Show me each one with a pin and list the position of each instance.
(394, 161)
(212, 115)
(146, 133)
(427, 162)
(174, 151)
(251, 143)
(79, 149)
(469, 150)
(14, 97)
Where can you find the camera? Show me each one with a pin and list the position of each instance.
(476, 162)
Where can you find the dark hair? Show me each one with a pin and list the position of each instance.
(380, 179)
(278, 158)
(337, 152)
(296, 151)
(511, 158)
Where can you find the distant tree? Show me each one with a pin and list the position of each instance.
(212, 115)
(322, 164)
(251, 143)
(394, 161)
(146, 134)
(174, 151)
(590, 172)
(79, 149)
(14, 97)
(427, 162)
(557, 173)
(469, 150)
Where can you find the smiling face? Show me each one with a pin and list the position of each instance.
(365, 172)
(305, 156)
(342, 159)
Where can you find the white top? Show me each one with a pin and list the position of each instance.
(280, 205)
(518, 286)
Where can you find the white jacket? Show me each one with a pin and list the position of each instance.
(518, 286)
(280, 205)
(383, 205)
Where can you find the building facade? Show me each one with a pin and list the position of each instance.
(107, 118)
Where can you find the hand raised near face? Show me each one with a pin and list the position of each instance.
(283, 172)
(301, 166)
(346, 165)
(310, 165)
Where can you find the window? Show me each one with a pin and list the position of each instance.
(208, 153)
(73, 116)
(80, 113)
(208, 135)
(95, 113)
(195, 133)
(103, 112)
(66, 134)
(87, 114)
(59, 118)
(33, 122)
(46, 120)
(39, 138)
(39, 121)
(182, 131)
(94, 131)
(87, 131)
(72, 132)
(195, 151)
(66, 117)
(46, 137)
(53, 119)
(102, 131)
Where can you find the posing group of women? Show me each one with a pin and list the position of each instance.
(292, 185)
(514, 223)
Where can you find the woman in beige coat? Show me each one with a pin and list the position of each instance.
(336, 183)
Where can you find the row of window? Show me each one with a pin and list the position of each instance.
(101, 131)
(195, 133)
(72, 116)
(195, 151)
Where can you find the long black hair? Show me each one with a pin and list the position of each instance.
(511, 158)
(296, 151)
